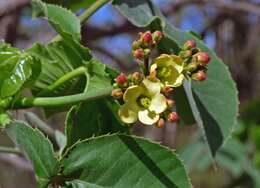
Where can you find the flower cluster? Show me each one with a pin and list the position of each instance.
(145, 96)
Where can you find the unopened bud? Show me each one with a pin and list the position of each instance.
(192, 66)
(173, 117)
(186, 54)
(147, 37)
(200, 76)
(139, 53)
(203, 58)
(137, 77)
(170, 103)
(117, 93)
(147, 52)
(121, 80)
(160, 123)
(136, 45)
(167, 90)
(189, 44)
(157, 36)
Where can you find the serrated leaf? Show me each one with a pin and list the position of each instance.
(124, 161)
(82, 124)
(37, 148)
(61, 19)
(209, 99)
(15, 69)
(57, 59)
(82, 184)
(74, 5)
(232, 156)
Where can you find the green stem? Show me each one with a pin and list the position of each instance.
(75, 73)
(146, 66)
(10, 150)
(87, 14)
(61, 101)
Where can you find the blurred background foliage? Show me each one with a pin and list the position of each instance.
(230, 27)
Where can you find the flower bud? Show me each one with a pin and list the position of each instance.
(170, 103)
(139, 53)
(203, 58)
(137, 77)
(117, 93)
(167, 90)
(173, 117)
(147, 52)
(189, 44)
(193, 66)
(147, 37)
(136, 45)
(200, 76)
(121, 80)
(157, 36)
(160, 123)
(186, 54)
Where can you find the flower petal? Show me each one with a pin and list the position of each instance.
(163, 60)
(152, 87)
(127, 115)
(131, 95)
(178, 81)
(158, 103)
(147, 117)
(177, 62)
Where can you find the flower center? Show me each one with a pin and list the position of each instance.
(144, 101)
(164, 72)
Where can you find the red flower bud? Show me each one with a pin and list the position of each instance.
(173, 117)
(139, 53)
(121, 79)
(186, 54)
(167, 90)
(160, 123)
(189, 44)
(203, 58)
(170, 103)
(117, 93)
(157, 36)
(200, 76)
(136, 45)
(147, 37)
(137, 77)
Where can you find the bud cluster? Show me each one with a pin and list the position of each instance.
(122, 82)
(142, 47)
(146, 96)
(195, 61)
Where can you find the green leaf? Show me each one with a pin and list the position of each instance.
(82, 184)
(232, 156)
(62, 20)
(57, 59)
(124, 161)
(82, 124)
(208, 99)
(74, 5)
(15, 69)
(37, 148)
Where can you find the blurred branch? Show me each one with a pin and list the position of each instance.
(230, 6)
(34, 120)
(10, 150)
(8, 7)
(119, 62)
(93, 33)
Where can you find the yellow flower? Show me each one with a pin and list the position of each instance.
(168, 70)
(143, 103)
